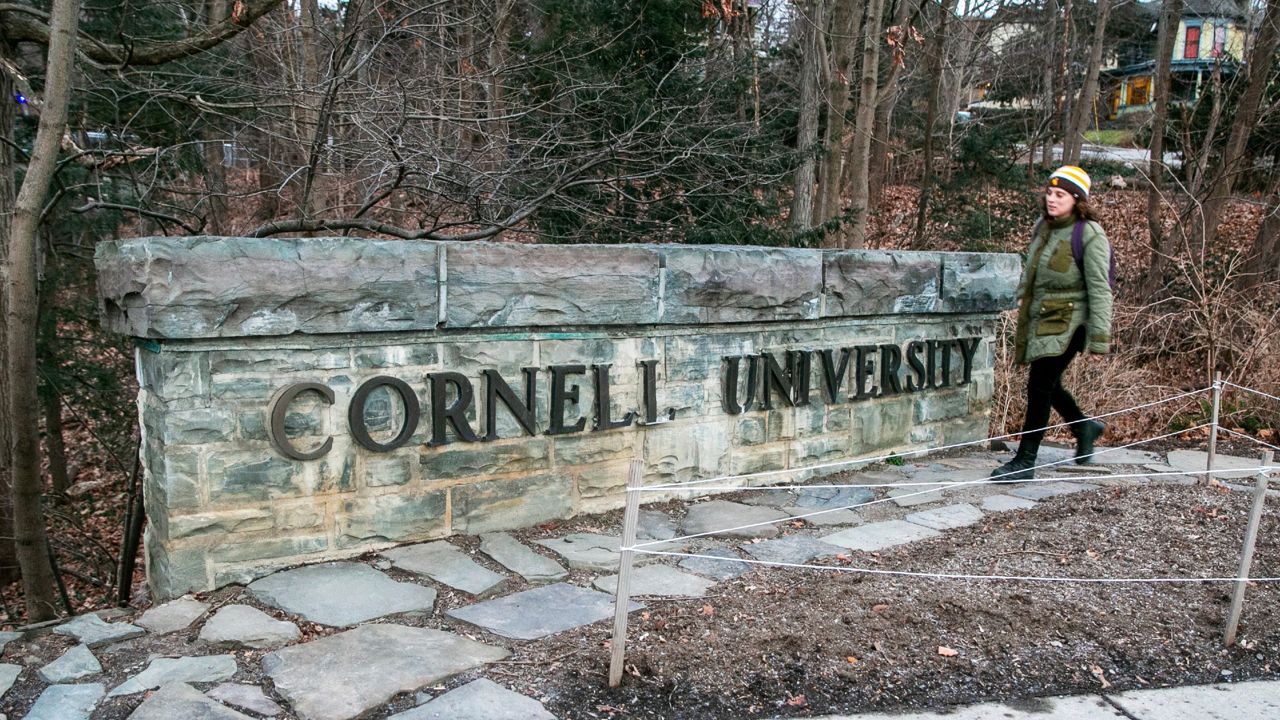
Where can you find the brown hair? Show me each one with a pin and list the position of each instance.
(1083, 210)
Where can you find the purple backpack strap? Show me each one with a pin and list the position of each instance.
(1077, 245)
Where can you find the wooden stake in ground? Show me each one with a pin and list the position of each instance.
(1213, 427)
(1246, 552)
(622, 598)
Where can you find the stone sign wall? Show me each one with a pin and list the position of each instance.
(304, 399)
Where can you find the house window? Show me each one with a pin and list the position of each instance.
(1219, 40)
(1139, 91)
(1191, 48)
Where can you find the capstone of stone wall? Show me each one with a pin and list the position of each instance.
(225, 325)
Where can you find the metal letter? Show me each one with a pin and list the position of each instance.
(834, 373)
(650, 377)
(917, 383)
(863, 369)
(442, 412)
(602, 421)
(526, 414)
(559, 393)
(968, 348)
(890, 363)
(776, 379)
(278, 410)
(355, 413)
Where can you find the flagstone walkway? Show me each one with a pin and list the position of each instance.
(342, 639)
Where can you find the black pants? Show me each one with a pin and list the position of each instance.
(1044, 391)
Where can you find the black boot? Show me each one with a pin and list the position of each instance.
(1086, 432)
(1021, 467)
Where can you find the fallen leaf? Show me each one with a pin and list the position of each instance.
(1091, 553)
(708, 610)
(1102, 678)
(879, 608)
(644, 616)
(879, 646)
(945, 651)
(852, 660)
(797, 701)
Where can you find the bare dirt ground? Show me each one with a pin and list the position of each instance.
(795, 643)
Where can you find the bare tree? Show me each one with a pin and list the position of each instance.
(864, 124)
(1170, 12)
(937, 53)
(811, 21)
(28, 517)
(1083, 108)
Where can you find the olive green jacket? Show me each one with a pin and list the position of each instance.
(1054, 299)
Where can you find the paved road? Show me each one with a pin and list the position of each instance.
(1258, 700)
(1137, 156)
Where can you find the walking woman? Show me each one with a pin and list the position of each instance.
(1064, 308)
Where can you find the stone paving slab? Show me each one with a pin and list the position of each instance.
(1103, 455)
(248, 697)
(443, 562)
(586, 551)
(655, 525)
(1044, 490)
(242, 626)
(825, 518)
(659, 581)
(881, 535)
(1168, 479)
(7, 637)
(947, 516)
(831, 498)
(540, 612)
(1236, 701)
(340, 594)
(8, 676)
(76, 663)
(163, 671)
(1194, 461)
(916, 495)
(719, 517)
(181, 701)
(519, 559)
(796, 549)
(1073, 469)
(66, 702)
(727, 569)
(347, 674)
(93, 631)
(172, 616)
(1006, 503)
(480, 699)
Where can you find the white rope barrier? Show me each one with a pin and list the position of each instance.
(923, 451)
(1248, 437)
(1250, 390)
(940, 486)
(963, 576)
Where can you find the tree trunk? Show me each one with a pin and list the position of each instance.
(50, 403)
(842, 46)
(215, 172)
(864, 123)
(811, 23)
(937, 50)
(889, 99)
(1083, 108)
(1170, 12)
(1047, 90)
(1261, 65)
(28, 510)
(8, 559)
